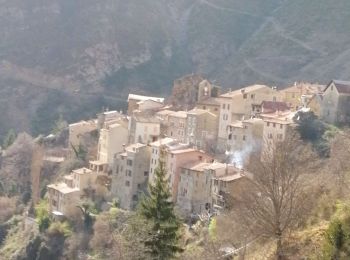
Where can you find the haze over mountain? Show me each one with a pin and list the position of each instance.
(70, 58)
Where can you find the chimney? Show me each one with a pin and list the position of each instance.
(243, 90)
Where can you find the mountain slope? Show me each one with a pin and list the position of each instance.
(88, 53)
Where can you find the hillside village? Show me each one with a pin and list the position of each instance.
(205, 144)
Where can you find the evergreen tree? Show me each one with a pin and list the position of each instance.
(158, 209)
(9, 138)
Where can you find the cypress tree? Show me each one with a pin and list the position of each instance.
(158, 209)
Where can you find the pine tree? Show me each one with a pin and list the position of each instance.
(158, 209)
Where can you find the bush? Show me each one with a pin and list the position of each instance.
(42, 215)
(60, 229)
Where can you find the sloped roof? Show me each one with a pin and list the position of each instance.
(209, 101)
(343, 87)
(144, 98)
(275, 105)
(245, 90)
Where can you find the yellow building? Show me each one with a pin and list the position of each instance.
(293, 95)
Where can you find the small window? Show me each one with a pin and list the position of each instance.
(139, 186)
(129, 162)
(268, 124)
(134, 197)
(145, 173)
(274, 124)
(252, 96)
(127, 183)
(228, 106)
(244, 96)
(244, 137)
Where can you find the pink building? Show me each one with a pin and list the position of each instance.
(177, 159)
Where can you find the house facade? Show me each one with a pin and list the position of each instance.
(335, 106)
(239, 104)
(144, 128)
(201, 129)
(67, 193)
(113, 137)
(194, 194)
(139, 102)
(130, 174)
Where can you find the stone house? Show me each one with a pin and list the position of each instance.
(112, 139)
(67, 194)
(293, 95)
(212, 104)
(163, 145)
(194, 193)
(335, 106)
(228, 186)
(144, 128)
(202, 127)
(130, 174)
(177, 123)
(77, 131)
(276, 127)
(244, 137)
(139, 102)
(239, 105)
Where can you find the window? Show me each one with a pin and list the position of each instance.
(151, 170)
(230, 137)
(252, 96)
(145, 173)
(281, 126)
(139, 186)
(127, 183)
(204, 107)
(244, 137)
(234, 137)
(270, 136)
(274, 124)
(228, 106)
(280, 136)
(244, 96)
(134, 197)
(129, 162)
(268, 123)
(129, 173)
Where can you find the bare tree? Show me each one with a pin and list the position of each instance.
(276, 200)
